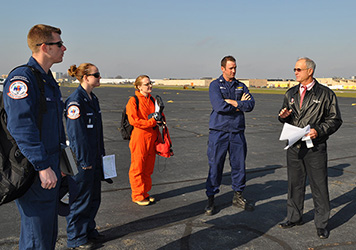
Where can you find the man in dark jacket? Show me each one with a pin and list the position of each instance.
(38, 207)
(309, 103)
(229, 98)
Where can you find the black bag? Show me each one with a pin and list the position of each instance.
(126, 128)
(16, 172)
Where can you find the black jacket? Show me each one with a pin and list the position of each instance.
(320, 110)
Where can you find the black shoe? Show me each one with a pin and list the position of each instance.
(109, 180)
(323, 233)
(99, 237)
(289, 224)
(209, 209)
(239, 201)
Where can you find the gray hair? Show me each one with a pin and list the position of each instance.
(309, 62)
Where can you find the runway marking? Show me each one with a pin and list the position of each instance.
(336, 244)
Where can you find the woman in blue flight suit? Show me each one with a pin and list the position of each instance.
(85, 133)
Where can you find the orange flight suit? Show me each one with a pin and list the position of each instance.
(142, 145)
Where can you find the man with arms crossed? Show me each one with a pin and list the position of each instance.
(229, 98)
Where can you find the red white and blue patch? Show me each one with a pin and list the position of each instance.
(18, 90)
(73, 112)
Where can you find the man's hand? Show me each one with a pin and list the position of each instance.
(312, 134)
(48, 178)
(231, 102)
(285, 113)
(245, 97)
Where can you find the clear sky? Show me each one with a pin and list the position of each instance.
(188, 38)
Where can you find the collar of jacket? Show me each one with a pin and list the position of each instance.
(138, 94)
(233, 82)
(313, 90)
(32, 62)
(85, 94)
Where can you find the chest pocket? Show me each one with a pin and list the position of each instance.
(225, 93)
(238, 93)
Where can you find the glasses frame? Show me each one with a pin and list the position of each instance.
(147, 84)
(59, 44)
(96, 75)
(299, 69)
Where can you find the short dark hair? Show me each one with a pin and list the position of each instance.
(227, 58)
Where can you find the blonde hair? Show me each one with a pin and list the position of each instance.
(138, 81)
(39, 34)
(81, 71)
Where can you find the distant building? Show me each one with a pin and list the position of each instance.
(258, 83)
(184, 82)
(57, 75)
(1, 84)
(334, 83)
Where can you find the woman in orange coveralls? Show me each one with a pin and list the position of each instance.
(143, 139)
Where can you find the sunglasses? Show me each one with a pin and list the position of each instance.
(59, 44)
(96, 75)
(298, 69)
(147, 84)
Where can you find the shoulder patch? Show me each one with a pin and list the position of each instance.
(73, 112)
(18, 90)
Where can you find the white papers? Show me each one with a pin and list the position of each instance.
(294, 134)
(109, 166)
(156, 107)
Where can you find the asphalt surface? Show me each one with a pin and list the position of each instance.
(177, 220)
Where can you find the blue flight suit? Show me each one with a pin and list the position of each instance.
(227, 126)
(85, 133)
(38, 207)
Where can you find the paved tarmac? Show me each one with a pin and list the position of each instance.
(177, 220)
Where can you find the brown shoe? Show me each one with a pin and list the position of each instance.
(88, 245)
(144, 202)
(239, 201)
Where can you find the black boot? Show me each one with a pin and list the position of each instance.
(209, 209)
(239, 201)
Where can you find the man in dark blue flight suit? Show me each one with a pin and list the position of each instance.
(229, 98)
(85, 133)
(39, 205)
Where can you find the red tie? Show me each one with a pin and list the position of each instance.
(304, 89)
